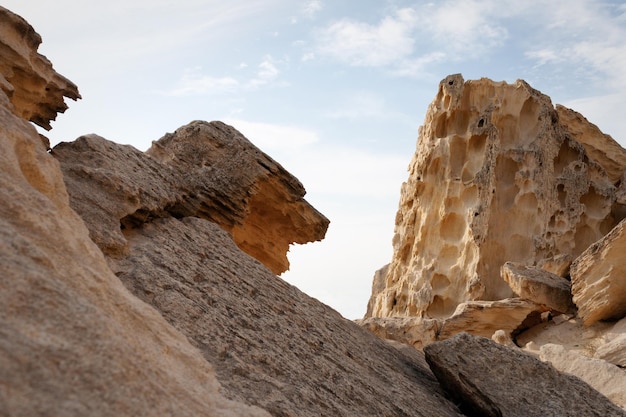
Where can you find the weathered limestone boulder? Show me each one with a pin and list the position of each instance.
(73, 340)
(614, 349)
(606, 378)
(600, 147)
(488, 379)
(539, 286)
(480, 318)
(496, 177)
(36, 92)
(207, 170)
(484, 318)
(598, 278)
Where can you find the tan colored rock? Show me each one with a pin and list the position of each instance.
(488, 379)
(271, 345)
(415, 331)
(484, 318)
(495, 178)
(208, 170)
(36, 92)
(73, 340)
(600, 147)
(539, 286)
(481, 318)
(598, 284)
(606, 378)
(558, 265)
(614, 350)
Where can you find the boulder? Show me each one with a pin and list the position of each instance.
(606, 378)
(481, 318)
(207, 170)
(614, 348)
(496, 177)
(539, 286)
(598, 284)
(488, 379)
(600, 147)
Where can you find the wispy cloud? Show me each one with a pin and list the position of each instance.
(195, 82)
(361, 44)
(311, 8)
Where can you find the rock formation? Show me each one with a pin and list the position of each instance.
(507, 197)
(598, 283)
(495, 178)
(488, 379)
(73, 340)
(207, 170)
(144, 283)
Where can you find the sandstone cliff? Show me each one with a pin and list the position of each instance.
(496, 177)
(508, 200)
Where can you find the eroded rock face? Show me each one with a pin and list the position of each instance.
(495, 178)
(36, 92)
(489, 379)
(598, 284)
(207, 170)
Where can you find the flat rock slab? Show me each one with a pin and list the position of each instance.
(488, 379)
(539, 286)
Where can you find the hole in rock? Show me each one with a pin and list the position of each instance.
(481, 122)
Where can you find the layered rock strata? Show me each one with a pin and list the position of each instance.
(207, 170)
(495, 178)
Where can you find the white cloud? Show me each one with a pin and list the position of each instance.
(362, 44)
(312, 8)
(195, 82)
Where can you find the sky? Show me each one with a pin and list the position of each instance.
(335, 91)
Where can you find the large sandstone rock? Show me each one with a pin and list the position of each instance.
(606, 378)
(539, 286)
(488, 379)
(480, 318)
(35, 90)
(73, 340)
(600, 147)
(496, 177)
(271, 345)
(598, 283)
(208, 170)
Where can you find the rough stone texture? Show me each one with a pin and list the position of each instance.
(614, 350)
(539, 286)
(208, 170)
(598, 283)
(481, 318)
(36, 92)
(73, 340)
(606, 378)
(489, 379)
(271, 345)
(484, 318)
(495, 178)
(600, 147)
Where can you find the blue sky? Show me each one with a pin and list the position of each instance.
(333, 90)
